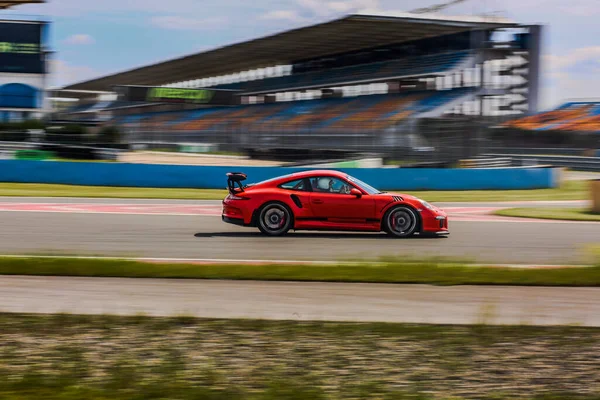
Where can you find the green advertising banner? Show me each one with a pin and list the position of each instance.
(192, 95)
(21, 47)
(177, 95)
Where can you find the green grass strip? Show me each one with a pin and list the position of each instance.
(570, 190)
(566, 214)
(421, 272)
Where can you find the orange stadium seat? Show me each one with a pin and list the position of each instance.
(375, 116)
(574, 117)
(326, 115)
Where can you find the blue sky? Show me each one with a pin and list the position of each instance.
(97, 37)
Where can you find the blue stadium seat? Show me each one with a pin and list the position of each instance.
(342, 113)
(386, 69)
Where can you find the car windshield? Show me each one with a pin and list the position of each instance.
(367, 188)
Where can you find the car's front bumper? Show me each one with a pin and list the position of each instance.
(435, 222)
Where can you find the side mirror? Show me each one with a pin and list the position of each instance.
(356, 192)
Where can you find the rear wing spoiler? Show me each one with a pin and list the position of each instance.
(234, 178)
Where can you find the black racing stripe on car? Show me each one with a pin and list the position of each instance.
(311, 219)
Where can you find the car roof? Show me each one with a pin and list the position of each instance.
(320, 172)
(299, 175)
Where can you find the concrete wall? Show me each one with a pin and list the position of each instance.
(213, 177)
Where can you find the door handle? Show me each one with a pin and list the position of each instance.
(317, 201)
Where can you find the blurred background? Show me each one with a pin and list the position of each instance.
(418, 88)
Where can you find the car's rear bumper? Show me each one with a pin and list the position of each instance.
(237, 214)
(234, 221)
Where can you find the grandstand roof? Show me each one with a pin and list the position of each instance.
(350, 33)
(76, 94)
(12, 3)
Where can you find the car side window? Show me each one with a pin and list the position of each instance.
(298, 184)
(328, 184)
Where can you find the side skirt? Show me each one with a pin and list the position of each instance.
(324, 225)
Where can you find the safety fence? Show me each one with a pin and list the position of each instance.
(591, 164)
(486, 162)
(45, 151)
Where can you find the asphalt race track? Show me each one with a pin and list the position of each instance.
(302, 301)
(193, 229)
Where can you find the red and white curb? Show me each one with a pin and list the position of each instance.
(128, 209)
(456, 214)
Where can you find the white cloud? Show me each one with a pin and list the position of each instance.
(368, 4)
(340, 6)
(329, 8)
(569, 87)
(316, 7)
(80, 39)
(81, 7)
(313, 11)
(63, 73)
(581, 8)
(562, 83)
(556, 62)
(175, 22)
(286, 15)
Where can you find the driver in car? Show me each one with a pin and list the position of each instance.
(327, 185)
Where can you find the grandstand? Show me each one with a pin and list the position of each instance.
(23, 64)
(4, 4)
(346, 83)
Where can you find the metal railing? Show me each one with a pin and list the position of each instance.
(591, 164)
(10, 150)
(11, 146)
(486, 162)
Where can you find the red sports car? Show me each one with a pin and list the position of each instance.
(327, 200)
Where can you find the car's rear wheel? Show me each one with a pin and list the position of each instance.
(275, 219)
(401, 221)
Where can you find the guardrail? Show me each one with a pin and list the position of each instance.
(575, 163)
(498, 162)
(548, 151)
(9, 149)
(17, 145)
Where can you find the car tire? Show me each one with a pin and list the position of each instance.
(275, 219)
(401, 222)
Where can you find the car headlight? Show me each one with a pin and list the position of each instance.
(426, 204)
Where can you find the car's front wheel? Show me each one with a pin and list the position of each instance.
(275, 219)
(401, 221)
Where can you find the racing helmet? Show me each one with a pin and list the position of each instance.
(324, 183)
